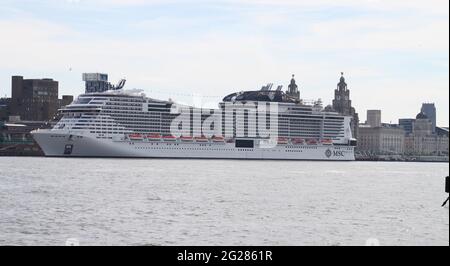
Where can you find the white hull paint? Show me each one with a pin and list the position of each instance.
(56, 143)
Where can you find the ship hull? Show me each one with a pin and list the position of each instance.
(63, 144)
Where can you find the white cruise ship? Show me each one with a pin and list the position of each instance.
(262, 124)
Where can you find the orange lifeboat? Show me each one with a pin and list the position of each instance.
(312, 142)
(136, 137)
(201, 139)
(154, 137)
(298, 141)
(283, 141)
(170, 138)
(218, 139)
(187, 138)
(327, 142)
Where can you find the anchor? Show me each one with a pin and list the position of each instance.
(447, 185)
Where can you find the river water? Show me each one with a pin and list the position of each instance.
(45, 201)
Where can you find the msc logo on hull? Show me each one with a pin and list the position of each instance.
(330, 153)
(68, 149)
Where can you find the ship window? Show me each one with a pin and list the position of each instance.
(244, 143)
(82, 100)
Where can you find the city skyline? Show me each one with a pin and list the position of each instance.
(394, 55)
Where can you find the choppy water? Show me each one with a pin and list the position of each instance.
(45, 201)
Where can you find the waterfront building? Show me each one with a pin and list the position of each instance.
(16, 140)
(293, 91)
(66, 100)
(343, 105)
(442, 131)
(429, 109)
(374, 118)
(426, 145)
(407, 124)
(381, 140)
(423, 125)
(35, 99)
(5, 111)
(423, 141)
(98, 82)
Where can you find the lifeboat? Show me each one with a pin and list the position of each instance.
(283, 141)
(218, 139)
(154, 137)
(312, 142)
(327, 142)
(201, 139)
(136, 137)
(187, 138)
(297, 141)
(170, 138)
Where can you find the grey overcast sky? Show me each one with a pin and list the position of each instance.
(395, 54)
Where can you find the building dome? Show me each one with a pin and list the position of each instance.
(421, 115)
(293, 80)
(342, 80)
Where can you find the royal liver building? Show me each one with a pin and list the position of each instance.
(343, 105)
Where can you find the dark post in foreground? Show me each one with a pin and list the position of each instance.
(447, 188)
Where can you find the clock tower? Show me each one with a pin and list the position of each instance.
(343, 105)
